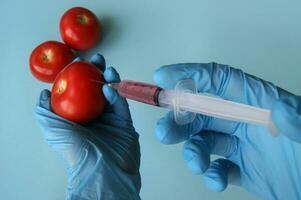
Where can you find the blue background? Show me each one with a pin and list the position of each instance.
(261, 37)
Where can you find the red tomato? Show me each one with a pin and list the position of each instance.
(48, 59)
(80, 28)
(76, 93)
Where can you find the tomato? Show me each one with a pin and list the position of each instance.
(80, 28)
(48, 59)
(77, 94)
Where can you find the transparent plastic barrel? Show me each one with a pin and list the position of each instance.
(186, 103)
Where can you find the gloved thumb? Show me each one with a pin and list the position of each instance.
(44, 99)
(286, 115)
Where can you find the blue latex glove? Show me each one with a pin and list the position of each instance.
(102, 158)
(268, 167)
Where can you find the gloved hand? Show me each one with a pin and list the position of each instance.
(102, 158)
(268, 167)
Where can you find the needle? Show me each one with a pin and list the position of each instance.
(109, 84)
(100, 82)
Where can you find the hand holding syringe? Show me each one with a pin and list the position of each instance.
(186, 103)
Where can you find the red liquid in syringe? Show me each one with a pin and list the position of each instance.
(142, 92)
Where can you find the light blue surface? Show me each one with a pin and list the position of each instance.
(261, 37)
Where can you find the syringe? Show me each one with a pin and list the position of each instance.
(186, 104)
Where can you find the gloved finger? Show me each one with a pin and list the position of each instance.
(198, 148)
(221, 173)
(119, 104)
(286, 115)
(44, 100)
(99, 61)
(59, 132)
(209, 77)
(221, 80)
(169, 132)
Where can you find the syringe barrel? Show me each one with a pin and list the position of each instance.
(138, 91)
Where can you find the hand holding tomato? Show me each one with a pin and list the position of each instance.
(77, 92)
(102, 157)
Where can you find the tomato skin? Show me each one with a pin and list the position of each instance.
(80, 29)
(48, 59)
(77, 92)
